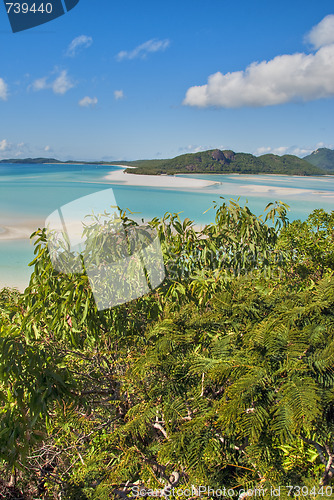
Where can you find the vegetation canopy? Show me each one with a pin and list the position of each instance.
(221, 376)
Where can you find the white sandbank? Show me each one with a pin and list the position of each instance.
(159, 181)
(20, 230)
(260, 189)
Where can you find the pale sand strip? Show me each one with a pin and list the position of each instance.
(20, 230)
(259, 188)
(254, 189)
(159, 181)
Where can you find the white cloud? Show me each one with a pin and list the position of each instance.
(118, 94)
(10, 150)
(286, 78)
(145, 48)
(290, 150)
(191, 149)
(323, 33)
(80, 42)
(60, 85)
(88, 101)
(3, 90)
(40, 84)
(263, 150)
(4, 145)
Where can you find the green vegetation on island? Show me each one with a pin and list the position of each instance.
(227, 162)
(222, 376)
(322, 158)
(215, 161)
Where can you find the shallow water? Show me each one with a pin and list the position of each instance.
(31, 192)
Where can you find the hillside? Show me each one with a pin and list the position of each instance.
(224, 162)
(30, 161)
(320, 162)
(322, 158)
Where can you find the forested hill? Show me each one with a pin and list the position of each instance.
(322, 158)
(224, 162)
(320, 162)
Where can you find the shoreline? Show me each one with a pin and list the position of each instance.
(20, 230)
(159, 181)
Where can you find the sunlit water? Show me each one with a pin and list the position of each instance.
(31, 192)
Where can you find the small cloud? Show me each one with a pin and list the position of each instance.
(264, 150)
(4, 145)
(286, 78)
(80, 42)
(290, 150)
(3, 90)
(9, 150)
(60, 85)
(191, 149)
(118, 94)
(39, 84)
(323, 33)
(142, 50)
(87, 102)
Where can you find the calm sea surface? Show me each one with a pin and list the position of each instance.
(29, 192)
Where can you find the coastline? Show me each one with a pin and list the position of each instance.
(159, 181)
(20, 230)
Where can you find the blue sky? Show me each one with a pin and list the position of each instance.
(129, 80)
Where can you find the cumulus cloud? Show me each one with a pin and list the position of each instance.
(87, 102)
(300, 151)
(62, 83)
(142, 50)
(59, 85)
(323, 33)
(11, 150)
(79, 43)
(286, 78)
(118, 94)
(39, 84)
(191, 149)
(4, 145)
(3, 90)
(263, 150)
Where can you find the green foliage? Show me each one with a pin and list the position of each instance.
(221, 376)
(310, 247)
(227, 162)
(322, 158)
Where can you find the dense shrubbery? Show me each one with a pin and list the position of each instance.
(223, 376)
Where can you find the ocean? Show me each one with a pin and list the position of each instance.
(30, 193)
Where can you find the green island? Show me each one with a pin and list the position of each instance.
(215, 161)
(227, 162)
(221, 376)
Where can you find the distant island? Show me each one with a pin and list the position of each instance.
(216, 161)
(227, 162)
(322, 158)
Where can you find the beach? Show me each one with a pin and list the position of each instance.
(20, 230)
(30, 194)
(158, 181)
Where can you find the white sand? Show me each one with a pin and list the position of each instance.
(20, 230)
(253, 189)
(259, 188)
(164, 181)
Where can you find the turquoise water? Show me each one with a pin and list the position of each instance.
(32, 192)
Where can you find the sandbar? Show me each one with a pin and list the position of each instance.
(159, 181)
(253, 189)
(20, 230)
